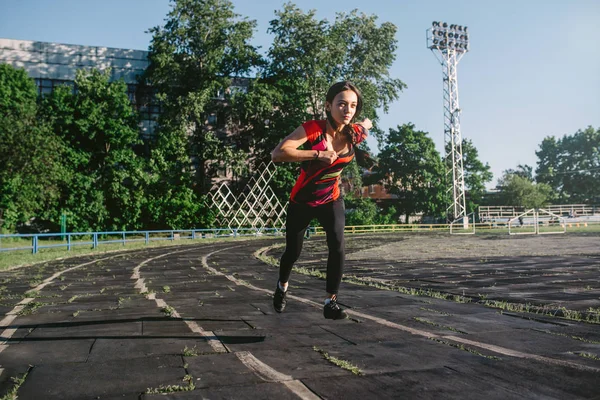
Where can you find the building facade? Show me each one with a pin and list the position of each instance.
(55, 64)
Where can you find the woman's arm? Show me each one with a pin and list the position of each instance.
(287, 150)
(366, 123)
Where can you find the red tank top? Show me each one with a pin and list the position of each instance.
(318, 181)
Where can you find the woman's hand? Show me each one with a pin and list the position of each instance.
(328, 156)
(366, 123)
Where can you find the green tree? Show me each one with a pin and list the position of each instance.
(522, 170)
(571, 166)
(519, 191)
(411, 168)
(193, 59)
(365, 211)
(30, 154)
(476, 175)
(105, 186)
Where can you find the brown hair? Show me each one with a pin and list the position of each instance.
(362, 157)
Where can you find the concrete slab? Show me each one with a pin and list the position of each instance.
(220, 370)
(123, 349)
(43, 352)
(100, 380)
(258, 391)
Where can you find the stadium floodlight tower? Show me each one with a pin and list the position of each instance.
(449, 42)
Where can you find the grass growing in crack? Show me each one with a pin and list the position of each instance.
(461, 347)
(267, 259)
(589, 317)
(188, 387)
(425, 321)
(340, 363)
(30, 308)
(166, 289)
(588, 355)
(168, 311)
(17, 382)
(408, 290)
(32, 293)
(190, 352)
(435, 311)
(76, 313)
(569, 336)
(122, 301)
(310, 272)
(72, 299)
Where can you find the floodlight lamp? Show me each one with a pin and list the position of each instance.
(435, 23)
(435, 41)
(465, 28)
(445, 25)
(460, 28)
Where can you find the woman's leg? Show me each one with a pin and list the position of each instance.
(333, 219)
(297, 220)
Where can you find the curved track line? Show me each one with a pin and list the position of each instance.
(193, 325)
(14, 313)
(268, 374)
(430, 335)
(264, 371)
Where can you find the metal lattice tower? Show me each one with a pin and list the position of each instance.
(449, 43)
(256, 207)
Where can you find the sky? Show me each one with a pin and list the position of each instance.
(533, 69)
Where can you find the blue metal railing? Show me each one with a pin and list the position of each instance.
(94, 239)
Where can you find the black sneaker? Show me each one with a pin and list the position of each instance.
(333, 311)
(279, 300)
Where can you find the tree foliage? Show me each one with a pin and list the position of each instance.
(571, 166)
(411, 168)
(517, 190)
(30, 165)
(193, 59)
(104, 189)
(365, 211)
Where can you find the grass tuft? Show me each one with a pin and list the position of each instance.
(188, 387)
(340, 363)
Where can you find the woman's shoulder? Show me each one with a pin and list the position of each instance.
(314, 128)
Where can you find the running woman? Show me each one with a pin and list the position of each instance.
(327, 146)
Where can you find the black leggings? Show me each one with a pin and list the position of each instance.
(331, 216)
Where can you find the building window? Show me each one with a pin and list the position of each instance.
(47, 86)
(371, 189)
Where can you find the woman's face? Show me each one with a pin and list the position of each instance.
(343, 107)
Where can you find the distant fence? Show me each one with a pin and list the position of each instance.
(38, 241)
(492, 213)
